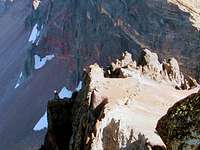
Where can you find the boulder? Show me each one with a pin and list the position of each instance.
(180, 127)
(149, 61)
(171, 67)
(118, 68)
(172, 72)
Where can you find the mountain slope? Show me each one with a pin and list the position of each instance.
(78, 33)
(102, 28)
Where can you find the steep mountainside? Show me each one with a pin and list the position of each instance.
(85, 32)
(44, 45)
(191, 6)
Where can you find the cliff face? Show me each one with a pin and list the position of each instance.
(191, 6)
(97, 31)
(60, 127)
(117, 108)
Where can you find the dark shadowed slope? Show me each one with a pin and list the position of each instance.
(21, 108)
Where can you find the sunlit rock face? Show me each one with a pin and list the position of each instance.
(149, 64)
(117, 109)
(191, 6)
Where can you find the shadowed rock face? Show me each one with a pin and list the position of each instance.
(59, 125)
(84, 32)
(180, 127)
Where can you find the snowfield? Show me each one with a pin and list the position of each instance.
(19, 80)
(17, 85)
(34, 34)
(79, 87)
(65, 93)
(42, 123)
(40, 62)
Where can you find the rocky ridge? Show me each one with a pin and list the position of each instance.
(118, 108)
(149, 64)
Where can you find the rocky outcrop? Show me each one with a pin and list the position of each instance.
(112, 111)
(168, 70)
(172, 72)
(180, 127)
(118, 69)
(59, 125)
(149, 64)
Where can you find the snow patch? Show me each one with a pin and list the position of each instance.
(88, 15)
(21, 74)
(34, 34)
(19, 80)
(40, 62)
(42, 123)
(17, 85)
(65, 93)
(36, 4)
(79, 87)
